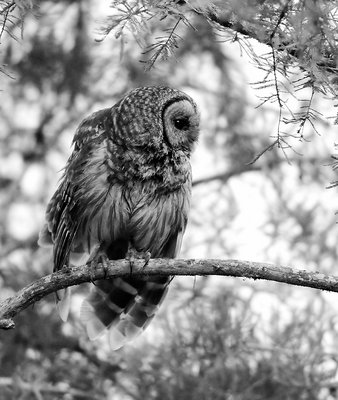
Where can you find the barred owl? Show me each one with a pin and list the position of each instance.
(126, 188)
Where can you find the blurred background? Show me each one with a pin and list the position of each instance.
(215, 337)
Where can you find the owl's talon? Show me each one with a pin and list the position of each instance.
(97, 256)
(104, 261)
(133, 255)
(147, 256)
(92, 268)
(131, 265)
(93, 256)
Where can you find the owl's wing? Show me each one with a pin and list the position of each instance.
(65, 210)
(173, 246)
(60, 226)
(64, 214)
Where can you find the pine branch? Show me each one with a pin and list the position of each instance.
(7, 7)
(164, 47)
(328, 64)
(10, 307)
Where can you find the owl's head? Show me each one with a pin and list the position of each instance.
(157, 117)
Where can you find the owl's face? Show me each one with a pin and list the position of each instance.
(181, 122)
(156, 118)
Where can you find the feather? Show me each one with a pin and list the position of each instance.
(126, 311)
(63, 303)
(45, 238)
(94, 327)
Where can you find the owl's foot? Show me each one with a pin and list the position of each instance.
(105, 264)
(146, 258)
(97, 256)
(133, 255)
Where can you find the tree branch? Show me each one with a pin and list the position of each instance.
(163, 267)
(328, 64)
(225, 176)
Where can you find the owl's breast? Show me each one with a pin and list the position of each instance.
(158, 217)
(144, 201)
(158, 168)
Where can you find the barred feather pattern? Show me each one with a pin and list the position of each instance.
(126, 186)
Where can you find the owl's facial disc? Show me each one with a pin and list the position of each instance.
(181, 122)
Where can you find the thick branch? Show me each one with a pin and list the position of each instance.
(285, 44)
(74, 276)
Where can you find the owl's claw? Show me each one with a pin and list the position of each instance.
(147, 256)
(96, 257)
(133, 255)
(103, 259)
(131, 264)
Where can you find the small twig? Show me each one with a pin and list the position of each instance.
(280, 104)
(267, 148)
(280, 18)
(162, 48)
(225, 176)
(307, 116)
(7, 7)
(161, 267)
(5, 11)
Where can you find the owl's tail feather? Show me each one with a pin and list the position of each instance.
(63, 303)
(123, 306)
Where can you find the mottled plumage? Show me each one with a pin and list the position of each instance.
(126, 187)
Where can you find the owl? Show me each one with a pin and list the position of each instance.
(125, 192)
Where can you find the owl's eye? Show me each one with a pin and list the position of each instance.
(182, 123)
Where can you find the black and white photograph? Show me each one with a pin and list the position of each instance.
(168, 200)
